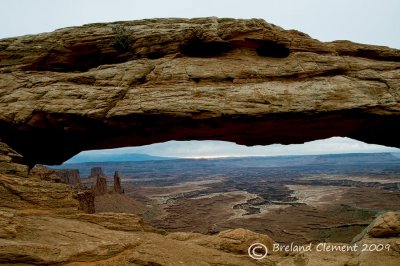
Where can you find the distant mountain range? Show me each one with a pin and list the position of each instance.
(124, 157)
(142, 165)
(138, 157)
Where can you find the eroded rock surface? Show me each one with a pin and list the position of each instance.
(9, 161)
(95, 172)
(117, 183)
(235, 241)
(86, 200)
(382, 234)
(66, 176)
(25, 193)
(99, 181)
(99, 187)
(69, 176)
(386, 225)
(245, 81)
(41, 231)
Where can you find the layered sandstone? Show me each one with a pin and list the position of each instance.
(9, 161)
(245, 81)
(25, 193)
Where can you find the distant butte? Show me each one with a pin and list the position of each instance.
(109, 85)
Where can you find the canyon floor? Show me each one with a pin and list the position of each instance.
(295, 199)
(186, 222)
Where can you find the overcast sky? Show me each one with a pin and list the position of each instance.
(215, 149)
(366, 21)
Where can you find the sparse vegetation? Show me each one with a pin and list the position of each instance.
(123, 41)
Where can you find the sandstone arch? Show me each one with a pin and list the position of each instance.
(71, 90)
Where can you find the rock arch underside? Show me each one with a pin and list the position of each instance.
(245, 81)
(109, 85)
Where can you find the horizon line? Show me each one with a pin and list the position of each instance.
(211, 157)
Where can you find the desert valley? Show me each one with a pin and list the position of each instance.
(301, 199)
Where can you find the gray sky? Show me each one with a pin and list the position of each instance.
(366, 21)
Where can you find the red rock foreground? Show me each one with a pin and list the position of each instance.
(109, 85)
(40, 224)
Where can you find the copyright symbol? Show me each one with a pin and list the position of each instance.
(258, 251)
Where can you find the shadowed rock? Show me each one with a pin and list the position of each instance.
(86, 201)
(100, 186)
(99, 179)
(9, 161)
(69, 176)
(246, 81)
(66, 176)
(117, 183)
(95, 172)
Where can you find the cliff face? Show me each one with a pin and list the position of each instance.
(117, 183)
(33, 193)
(99, 181)
(9, 161)
(95, 172)
(69, 176)
(66, 176)
(140, 82)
